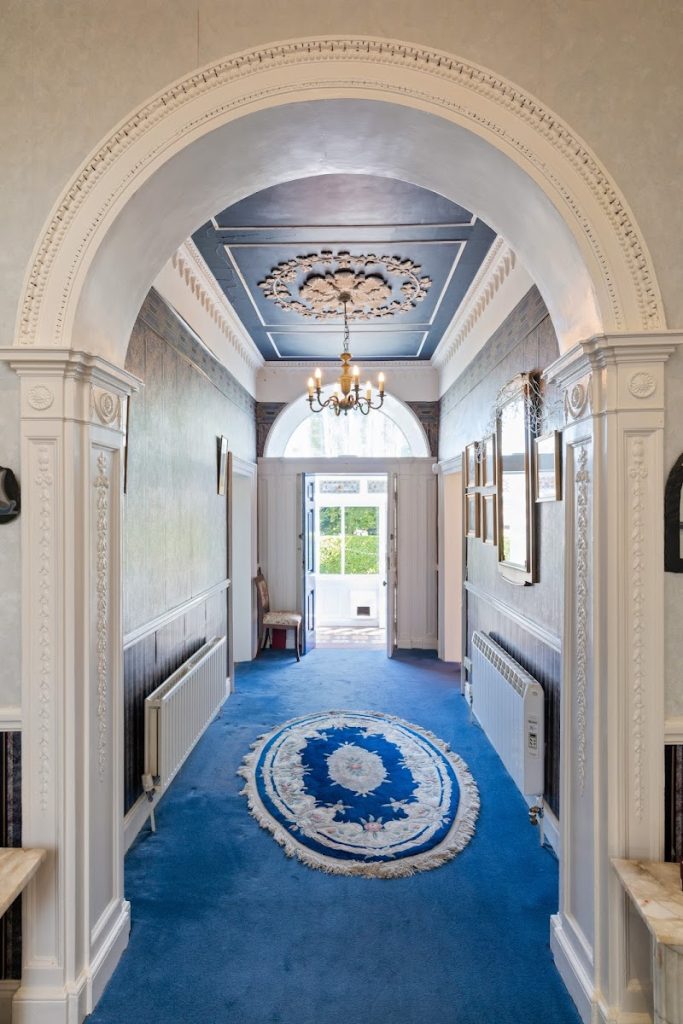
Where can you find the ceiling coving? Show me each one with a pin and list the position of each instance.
(395, 286)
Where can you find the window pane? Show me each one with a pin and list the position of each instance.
(330, 521)
(324, 434)
(362, 556)
(330, 555)
(362, 521)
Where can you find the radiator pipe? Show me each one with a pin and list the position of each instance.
(536, 817)
(149, 784)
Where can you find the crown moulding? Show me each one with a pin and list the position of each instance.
(189, 265)
(504, 95)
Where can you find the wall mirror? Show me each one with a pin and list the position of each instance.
(515, 481)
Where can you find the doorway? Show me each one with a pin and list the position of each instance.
(350, 560)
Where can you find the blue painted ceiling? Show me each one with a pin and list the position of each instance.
(410, 253)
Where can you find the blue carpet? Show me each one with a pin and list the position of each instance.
(227, 929)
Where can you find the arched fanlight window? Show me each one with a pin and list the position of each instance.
(393, 432)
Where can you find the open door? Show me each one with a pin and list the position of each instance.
(307, 542)
(391, 581)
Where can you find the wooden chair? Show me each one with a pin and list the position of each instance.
(269, 620)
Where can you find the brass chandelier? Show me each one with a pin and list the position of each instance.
(348, 392)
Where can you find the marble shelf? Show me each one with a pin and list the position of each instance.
(655, 891)
(17, 867)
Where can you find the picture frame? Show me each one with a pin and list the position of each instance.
(222, 457)
(489, 519)
(488, 462)
(548, 466)
(471, 517)
(515, 481)
(471, 466)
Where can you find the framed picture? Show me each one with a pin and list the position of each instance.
(471, 466)
(488, 462)
(548, 477)
(472, 515)
(222, 451)
(489, 519)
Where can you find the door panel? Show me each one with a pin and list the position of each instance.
(307, 548)
(391, 581)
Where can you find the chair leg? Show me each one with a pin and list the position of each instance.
(298, 643)
(262, 639)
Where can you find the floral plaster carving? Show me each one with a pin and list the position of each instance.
(637, 471)
(575, 400)
(44, 481)
(40, 397)
(370, 294)
(435, 64)
(642, 384)
(102, 591)
(107, 406)
(582, 480)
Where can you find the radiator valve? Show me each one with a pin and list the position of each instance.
(149, 785)
(535, 812)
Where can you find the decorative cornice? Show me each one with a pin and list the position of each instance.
(506, 96)
(193, 271)
(607, 350)
(500, 261)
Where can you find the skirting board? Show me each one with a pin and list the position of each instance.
(551, 829)
(577, 982)
(7, 990)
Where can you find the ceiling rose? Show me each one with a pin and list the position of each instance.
(368, 296)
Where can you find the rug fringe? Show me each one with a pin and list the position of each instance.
(459, 835)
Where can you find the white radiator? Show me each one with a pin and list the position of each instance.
(508, 703)
(178, 712)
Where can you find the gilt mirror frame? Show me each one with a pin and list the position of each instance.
(514, 456)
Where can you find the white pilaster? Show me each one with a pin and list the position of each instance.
(76, 919)
(612, 785)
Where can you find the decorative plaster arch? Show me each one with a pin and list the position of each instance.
(289, 418)
(518, 166)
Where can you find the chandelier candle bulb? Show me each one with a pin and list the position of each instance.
(311, 386)
(380, 378)
(368, 390)
(318, 374)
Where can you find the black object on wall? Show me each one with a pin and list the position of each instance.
(673, 523)
(10, 835)
(10, 496)
(673, 795)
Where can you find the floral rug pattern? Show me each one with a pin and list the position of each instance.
(361, 793)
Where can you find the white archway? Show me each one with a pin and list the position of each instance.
(297, 411)
(296, 109)
(320, 106)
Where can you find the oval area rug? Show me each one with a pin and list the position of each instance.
(361, 793)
